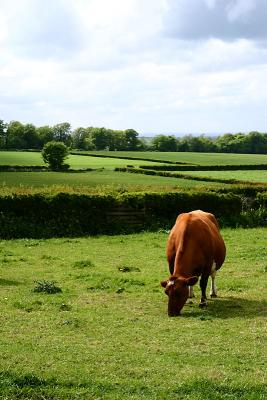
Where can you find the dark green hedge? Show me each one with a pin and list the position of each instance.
(73, 214)
(62, 214)
(187, 176)
(80, 153)
(22, 168)
(38, 168)
(205, 167)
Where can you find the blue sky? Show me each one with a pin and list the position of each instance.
(158, 66)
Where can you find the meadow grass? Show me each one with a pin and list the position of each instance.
(245, 175)
(93, 179)
(107, 334)
(21, 158)
(192, 158)
(75, 161)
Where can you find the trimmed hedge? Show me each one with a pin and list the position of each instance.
(22, 168)
(39, 168)
(205, 167)
(80, 153)
(185, 176)
(42, 215)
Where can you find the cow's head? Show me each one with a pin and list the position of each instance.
(178, 291)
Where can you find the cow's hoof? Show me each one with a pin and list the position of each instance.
(203, 304)
(213, 295)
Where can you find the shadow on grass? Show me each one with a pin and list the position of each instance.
(30, 386)
(7, 282)
(229, 307)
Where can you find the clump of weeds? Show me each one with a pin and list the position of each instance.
(48, 287)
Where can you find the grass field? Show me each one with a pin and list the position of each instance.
(75, 161)
(107, 335)
(194, 158)
(245, 175)
(109, 177)
(94, 178)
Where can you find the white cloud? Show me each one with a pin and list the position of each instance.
(134, 63)
(221, 19)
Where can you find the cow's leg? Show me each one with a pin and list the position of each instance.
(213, 288)
(203, 287)
(191, 292)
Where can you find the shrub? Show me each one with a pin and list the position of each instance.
(54, 153)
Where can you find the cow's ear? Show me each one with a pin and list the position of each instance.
(191, 281)
(164, 283)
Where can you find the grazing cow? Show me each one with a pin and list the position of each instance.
(195, 249)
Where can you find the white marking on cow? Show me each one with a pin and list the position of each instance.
(191, 292)
(170, 283)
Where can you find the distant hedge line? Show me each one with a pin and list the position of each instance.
(38, 168)
(23, 168)
(182, 176)
(80, 153)
(43, 215)
(205, 167)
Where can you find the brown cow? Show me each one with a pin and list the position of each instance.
(195, 249)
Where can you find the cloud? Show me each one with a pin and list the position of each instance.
(221, 19)
(154, 65)
(38, 29)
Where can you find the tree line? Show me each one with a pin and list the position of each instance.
(15, 135)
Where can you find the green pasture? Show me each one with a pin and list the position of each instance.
(192, 158)
(20, 158)
(75, 161)
(107, 334)
(245, 175)
(78, 161)
(95, 178)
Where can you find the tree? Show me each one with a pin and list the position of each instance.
(62, 133)
(131, 137)
(54, 153)
(257, 143)
(45, 134)
(15, 136)
(99, 138)
(164, 143)
(3, 134)
(30, 136)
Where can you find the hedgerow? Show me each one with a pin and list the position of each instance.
(205, 167)
(185, 176)
(78, 214)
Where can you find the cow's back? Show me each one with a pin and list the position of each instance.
(194, 244)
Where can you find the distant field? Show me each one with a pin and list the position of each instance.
(79, 162)
(94, 178)
(194, 158)
(20, 158)
(75, 161)
(109, 177)
(253, 176)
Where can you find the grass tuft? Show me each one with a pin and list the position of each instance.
(46, 287)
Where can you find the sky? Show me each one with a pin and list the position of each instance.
(157, 66)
